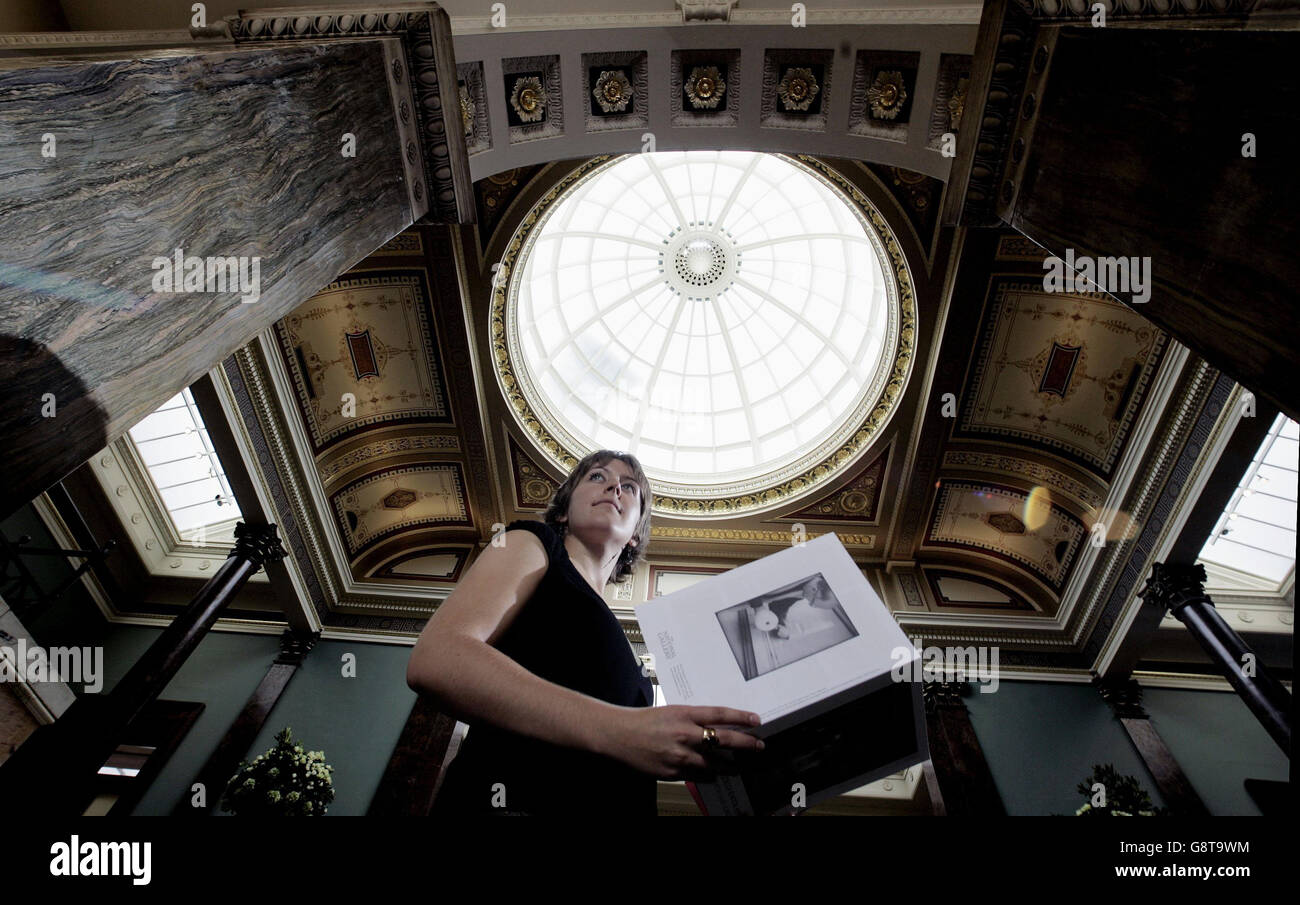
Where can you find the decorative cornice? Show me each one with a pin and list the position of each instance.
(1034, 472)
(787, 484)
(37, 40)
(751, 535)
(382, 449)
(1059, 12)
(934, 15)
(1002, 60)
(1109, 587)
(1151, 504)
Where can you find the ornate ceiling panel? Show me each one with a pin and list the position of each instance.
(885, 93)
(361, 354)
(398, 499)
(858, 501)
(1062, 372)
(1005, 523)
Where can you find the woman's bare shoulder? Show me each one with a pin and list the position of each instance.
(490, 595)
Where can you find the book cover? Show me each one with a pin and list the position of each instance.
(802, 639)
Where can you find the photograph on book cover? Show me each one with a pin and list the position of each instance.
(796, 621)
(803, 639)
(773, 635)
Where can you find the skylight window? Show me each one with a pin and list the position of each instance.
(719, 314)
(1253, 543)
(175, 447)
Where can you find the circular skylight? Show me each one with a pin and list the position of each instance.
(725, 316)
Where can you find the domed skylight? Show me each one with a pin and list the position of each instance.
(725, 316)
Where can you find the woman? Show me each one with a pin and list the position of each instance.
(526, 651)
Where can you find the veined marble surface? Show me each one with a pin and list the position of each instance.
(221, 154)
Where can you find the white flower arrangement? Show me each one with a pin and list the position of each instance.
(283, 782)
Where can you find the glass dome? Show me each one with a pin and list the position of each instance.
(728, 317)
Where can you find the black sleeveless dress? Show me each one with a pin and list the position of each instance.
(565, 634)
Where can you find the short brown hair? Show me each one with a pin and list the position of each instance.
(559, 507)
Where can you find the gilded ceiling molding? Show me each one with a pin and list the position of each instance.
(1161, 11)
(384, 449)
(756, 535)
(935, 15)
(339, 611)
(858, 501)
(533, 487)
(1033, 472)
(792, 482)
(1106, 586)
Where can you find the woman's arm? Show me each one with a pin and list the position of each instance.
(454, 661)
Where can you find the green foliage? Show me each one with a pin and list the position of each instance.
(1124, 796)
(284, 782)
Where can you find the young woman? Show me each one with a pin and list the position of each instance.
(526, 651)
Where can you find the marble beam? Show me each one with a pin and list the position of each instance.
(110, 166)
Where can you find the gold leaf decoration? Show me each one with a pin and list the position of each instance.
(887, 95)
(798, 89)
(613, 91)
(528, 99)
(705, 87)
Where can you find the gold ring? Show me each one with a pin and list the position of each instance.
(711, 737)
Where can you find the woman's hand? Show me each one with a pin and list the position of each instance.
(667, 742)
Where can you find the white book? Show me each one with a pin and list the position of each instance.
(802, 639)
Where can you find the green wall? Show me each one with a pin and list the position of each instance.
(355, 721)
(1041, 740)
(1219, 744)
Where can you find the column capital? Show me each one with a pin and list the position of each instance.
(1172, 587)
(259, 543)
(1123, 695)
(294, 646)
(944, 694)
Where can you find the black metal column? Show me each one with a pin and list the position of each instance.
(1181, 590)
(53, 772)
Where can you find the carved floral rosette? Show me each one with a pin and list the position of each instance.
(705, 87)
(528, 99)
(798, 89)
(613, 92)
(887, 95)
